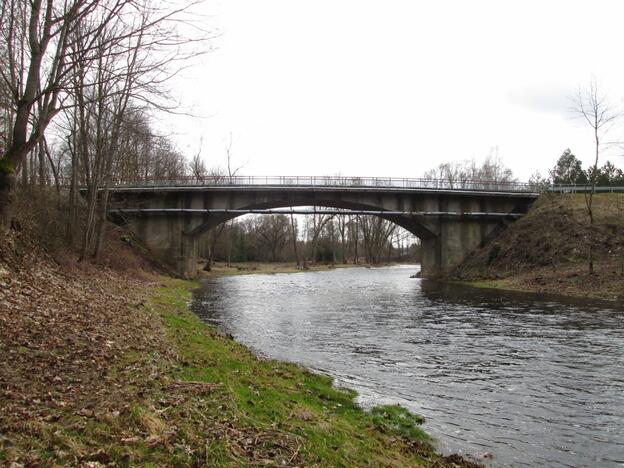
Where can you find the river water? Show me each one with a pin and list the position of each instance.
(530, 380)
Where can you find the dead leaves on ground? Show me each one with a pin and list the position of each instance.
(81, 374)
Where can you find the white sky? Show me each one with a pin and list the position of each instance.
(395, 87)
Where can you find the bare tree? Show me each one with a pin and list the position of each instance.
(231, 174)
(37, 64)
(342, 230)
(34, 62)
(314, 227)
(45, 44)
(294, 236)
(470, 174)
(198, 168)
(273, 231)
(354, 228)
(215, 233)
(594, 108)
(376, 235)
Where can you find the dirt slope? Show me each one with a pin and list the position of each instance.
(548, 249)
(64, 329)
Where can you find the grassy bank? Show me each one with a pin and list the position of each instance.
(547, 250)
(268, 411)
(507, 285)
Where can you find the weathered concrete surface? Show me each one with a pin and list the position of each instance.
(449, 223)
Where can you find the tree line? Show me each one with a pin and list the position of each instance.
(461, 174)
(79, 82)
(310, 239)
(568, 170)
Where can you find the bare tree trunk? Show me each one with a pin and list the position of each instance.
(41, 154)
(215, 234)
(229, 247)
(88, 233)
(355, 240)
(73, 195)
(294, 237)
(7, 195)
(590, 201)
(208, 266)
(54, 169)
(332, 241)
(342, 226)
(24, 172)
(101, 230)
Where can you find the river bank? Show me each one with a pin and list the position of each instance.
(107, 365)
(547, 251)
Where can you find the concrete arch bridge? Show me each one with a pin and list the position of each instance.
(451, 219)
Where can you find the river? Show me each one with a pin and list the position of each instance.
(530, 380)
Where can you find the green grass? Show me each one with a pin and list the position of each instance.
(489, 284)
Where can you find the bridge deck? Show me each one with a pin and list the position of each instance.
(297, 211)
(322, 182)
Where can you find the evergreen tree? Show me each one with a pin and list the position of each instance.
(568, 170)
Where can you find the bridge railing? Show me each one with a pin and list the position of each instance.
(327, 181)
(585, 188)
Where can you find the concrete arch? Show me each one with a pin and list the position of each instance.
(418, 227)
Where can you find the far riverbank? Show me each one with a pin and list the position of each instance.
(247, 268)
(547, 251)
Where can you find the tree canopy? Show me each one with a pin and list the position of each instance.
(568, 170)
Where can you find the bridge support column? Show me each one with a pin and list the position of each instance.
(168, 238)
(456, 239)
(187, 260)
(430, 258)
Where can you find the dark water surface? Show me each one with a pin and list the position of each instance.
(533, 381)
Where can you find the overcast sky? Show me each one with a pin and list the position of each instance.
(395, 87)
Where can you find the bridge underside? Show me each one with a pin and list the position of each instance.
(450, 224)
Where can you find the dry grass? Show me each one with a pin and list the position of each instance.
(246, 268)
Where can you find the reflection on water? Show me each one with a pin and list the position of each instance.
(532, 380)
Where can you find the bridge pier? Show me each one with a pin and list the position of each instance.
(169, 240)
(455, 240)
(187, 260)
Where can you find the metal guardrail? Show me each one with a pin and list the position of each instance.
(584, 189)
(327, 181)
(350, 182)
